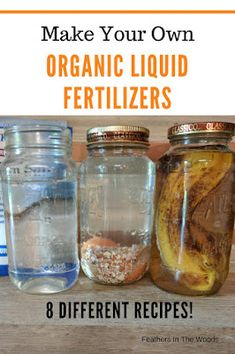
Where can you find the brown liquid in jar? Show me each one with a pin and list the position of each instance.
(194, 221)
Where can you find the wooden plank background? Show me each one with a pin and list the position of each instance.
(158, 126)
(25, 329)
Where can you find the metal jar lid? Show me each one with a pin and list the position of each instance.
(219, 128)
(34, 136)
(118, 134)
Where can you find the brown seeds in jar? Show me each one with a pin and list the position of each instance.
(107, 262)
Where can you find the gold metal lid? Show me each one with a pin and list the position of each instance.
(221, 128)
(118, 134)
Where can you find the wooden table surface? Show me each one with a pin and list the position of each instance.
(25, 328)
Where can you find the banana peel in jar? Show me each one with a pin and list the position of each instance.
(199, 174)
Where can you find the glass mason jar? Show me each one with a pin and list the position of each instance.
(195, 209)
(117, 184)
(39, 181)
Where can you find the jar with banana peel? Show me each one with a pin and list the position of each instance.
(195, 214)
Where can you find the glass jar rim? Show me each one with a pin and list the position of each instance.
(33, 127)
(37, 135)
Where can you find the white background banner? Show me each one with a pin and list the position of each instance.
(206, 40)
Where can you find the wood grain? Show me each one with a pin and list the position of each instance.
(157, 125)
(99, 340)
(24, 328)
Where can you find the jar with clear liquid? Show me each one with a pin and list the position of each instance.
(116, 191)
(39, 181)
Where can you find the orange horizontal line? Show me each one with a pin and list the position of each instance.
(26, 12)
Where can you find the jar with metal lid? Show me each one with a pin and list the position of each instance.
(117, 184)
(195, 209)
(39, 181)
